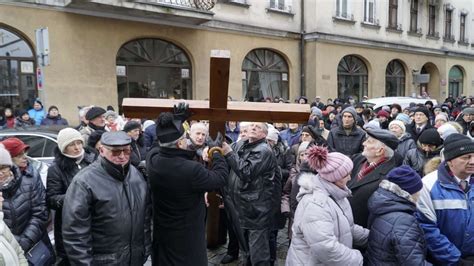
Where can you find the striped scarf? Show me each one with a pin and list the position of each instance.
(367, 168)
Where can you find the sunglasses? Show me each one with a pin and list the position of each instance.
(118, 152)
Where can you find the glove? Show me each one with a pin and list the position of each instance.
(217, 142)
(181, 111)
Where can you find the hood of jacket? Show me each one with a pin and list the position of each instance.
(310, 182)
(389, 197)
(405, 137)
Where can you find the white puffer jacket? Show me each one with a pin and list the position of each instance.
(323, 232)
(11, 253)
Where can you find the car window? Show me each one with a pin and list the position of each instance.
(49, 148)
(36, 144)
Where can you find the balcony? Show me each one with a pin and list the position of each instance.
(192, 12)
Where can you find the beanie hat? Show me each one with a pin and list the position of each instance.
(406, 178)
(131, 125)
(332, 166)
(14, 146)
(168, 129)
(52, 107)
(94, 137)
(399, 124)
(110, 114)
(430, 136)
(457, 145)
(303, 146)
(308, 129)
(94, 112)
(423, 110)
(441, 116)
(383, 113)
(5, 157)
(67, 136)
(39, 102)
(272, 134)
(446, 130)
(373, 124)
(148, 123)
(316, 111)
(404, 118)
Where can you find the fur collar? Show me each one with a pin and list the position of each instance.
(397, 190)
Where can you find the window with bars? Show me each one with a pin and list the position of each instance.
(448, 25)
(414, 16)
(432, 20)
(462, 28)
(393, 14)
(369, 11)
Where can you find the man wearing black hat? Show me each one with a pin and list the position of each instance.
(96, 121)
(370, 168)
(446, 205)
(178, 184)
(107, 209)
(420, 122)
(428, 146)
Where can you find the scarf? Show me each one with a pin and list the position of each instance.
(367, 168)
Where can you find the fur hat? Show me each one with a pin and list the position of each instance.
(5, 157)
(331, 166)
(67, 136)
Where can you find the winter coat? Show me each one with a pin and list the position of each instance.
(10, 122)
(347, 144)
(60, 175)
(24, 208)
(233, 134)
(22, 123)
(284, 159)
(149, 136)
(37, 115)
(178, 184)
(138, 152)
(416, 158)
(411, 129)
(323, 229)
(11, 253)
(54, 121)
(395, 236)
(255, 166)
(445, 213)
(405, 144)
(290, 137)
(363, 189)
(462, 123)
(106, 216)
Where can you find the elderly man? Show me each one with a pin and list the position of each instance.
(446, 205)
(96, 118)
(370, 167)
(465, 119)
(254, 167)
(421, 122)
(178, 184)
(107, 209)
(347, 138)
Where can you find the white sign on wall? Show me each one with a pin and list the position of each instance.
(121, 71)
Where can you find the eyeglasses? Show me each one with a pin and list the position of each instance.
(118, 152)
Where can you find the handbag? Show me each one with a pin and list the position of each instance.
(39, 255)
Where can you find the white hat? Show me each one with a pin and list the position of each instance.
(67, 136)
(5, 158)
(273, 134)
(398, 123)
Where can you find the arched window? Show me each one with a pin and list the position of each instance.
(153, 68)
(264, 74)
(17, 71)
(395, 79)
(351, 78)
(455, 81)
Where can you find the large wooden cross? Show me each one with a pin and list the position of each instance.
(218, 110)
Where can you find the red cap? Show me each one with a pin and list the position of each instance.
(14, 146)
(383, 113)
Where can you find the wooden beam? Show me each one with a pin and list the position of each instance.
(236, 111)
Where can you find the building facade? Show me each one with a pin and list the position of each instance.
(101, 51)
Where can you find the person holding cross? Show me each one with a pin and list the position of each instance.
(254, 166)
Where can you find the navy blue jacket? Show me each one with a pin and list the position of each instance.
(395, 236)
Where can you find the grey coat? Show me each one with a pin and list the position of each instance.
(323, 229)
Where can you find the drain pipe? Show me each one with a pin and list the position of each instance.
(302, 50)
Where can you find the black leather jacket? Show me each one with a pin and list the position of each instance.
(255, 166)
(106, 216)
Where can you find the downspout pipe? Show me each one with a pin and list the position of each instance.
(302, 52)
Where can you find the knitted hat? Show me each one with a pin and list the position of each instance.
(441, 116)
(350, 110)
(310, 131)
(430, 136)
(383, 113)
(131, 125)
(5, 157)
(406, 178)
(67, 136)
(404, 118)
(423, 110)
(373, 124)
(168, 129)
(316, 111)
(303, 146)
(332, 166)
(446, 130)
(52, 107)
(94, 112)
(399, 124)
(15, 146)
(457, 145)
(39, 102)
(272, 134)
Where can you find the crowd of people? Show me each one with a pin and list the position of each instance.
(356, 186)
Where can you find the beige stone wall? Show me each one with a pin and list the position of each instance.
(84, 49)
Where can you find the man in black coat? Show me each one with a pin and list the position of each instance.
(178, 184)
(421, 122)
(254, 168)
(107, 209)
(370, 168)
(347, 138)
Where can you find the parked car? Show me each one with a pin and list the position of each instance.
(377, 103)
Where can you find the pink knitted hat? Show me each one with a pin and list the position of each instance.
(332, 166)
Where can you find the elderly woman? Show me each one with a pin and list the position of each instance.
(406, 142)
(70, 157)
(324, 229)
(24, 204)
